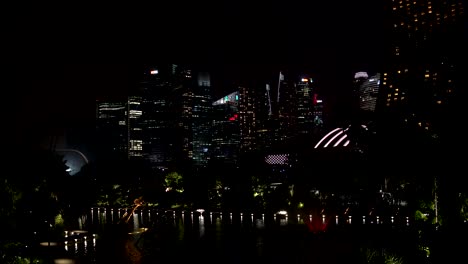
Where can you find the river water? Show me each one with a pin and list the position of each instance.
(152, 236)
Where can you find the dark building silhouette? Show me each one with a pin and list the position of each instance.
(201, 119)
(424, 62)
(112, 130)
(157, 103)
(423, 86)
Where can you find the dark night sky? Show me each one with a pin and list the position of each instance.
(325, 40)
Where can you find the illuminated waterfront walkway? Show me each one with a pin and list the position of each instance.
(146, 217)
(178, 236)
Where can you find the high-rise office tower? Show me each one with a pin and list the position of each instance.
(304, 107)
(183, 121)
(201, 119)
(423, 62)
(247, 119)
(318, 112)
(194, 110)
(286, 111)
(226, 130)
(135, 127)
(368, 93)
(424, 87)
(270, 120)
(156, 89)
(367, 90)
(120, 128)
(112, 131)
(294, 113)
(264, 117)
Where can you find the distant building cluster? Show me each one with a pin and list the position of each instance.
(174, 120)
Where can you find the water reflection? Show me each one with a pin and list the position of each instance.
(160, 236)
(98, 218)
(201, 223)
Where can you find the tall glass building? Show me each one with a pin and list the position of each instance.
(156, 89)
(368, 91)
(201, 119)
(112, 131)
(135, 127)
(304, 107)
(247, 119)
(226, 129)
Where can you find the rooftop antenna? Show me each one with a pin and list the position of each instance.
(281, 78)
(269, 99)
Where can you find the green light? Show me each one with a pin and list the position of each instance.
(237, 97)
(226, 98)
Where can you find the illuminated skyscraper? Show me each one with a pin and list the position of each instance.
(423, 62)
(201, 119)
(158, 115)
(135, 127)
(294, 114)
(112, 131)
(194, 118)
(304, 106)
(367, 90)
(264, 117)
(183, 121)
(226, 130)
(424, 90)
(318, 112)
(286, 111)
(247, 119)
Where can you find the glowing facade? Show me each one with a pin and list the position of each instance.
(338, 137)
(304, 106)
(135, 127)
(368, 91)
(423, 59)
(111, 128)
(201, 120)
(247, 119)
(226, 129)
(318, 111)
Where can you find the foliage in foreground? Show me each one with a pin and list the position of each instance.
(10, 253)
(373, 256)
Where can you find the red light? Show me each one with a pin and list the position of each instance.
(317, 225)
(233, 118)
(315, 99)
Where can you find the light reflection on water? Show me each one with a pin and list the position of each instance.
(164, 236)
(98, 218)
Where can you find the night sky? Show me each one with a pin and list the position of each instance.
(240, 43)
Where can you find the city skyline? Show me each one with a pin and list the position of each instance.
(230, 122)
(321, 39)
(325, 42)
(68, 93)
